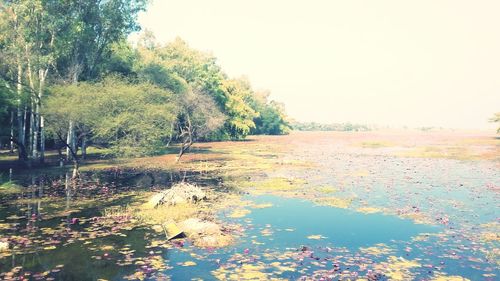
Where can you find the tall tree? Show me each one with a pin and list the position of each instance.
(496, 119)
(198, 118)
(94, 29)
(67, 37)
(132, 119)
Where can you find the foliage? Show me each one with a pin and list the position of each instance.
(7, 103)
(70, 78)
(240, 114)
(94, 31)
(496, 119)
(202, 113)
(133, 119)
(272, 119)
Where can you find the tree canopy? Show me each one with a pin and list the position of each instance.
(69, 78)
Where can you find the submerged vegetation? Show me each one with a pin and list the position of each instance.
(262, 212)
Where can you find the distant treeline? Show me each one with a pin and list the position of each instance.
(69, 79)
(343, 127)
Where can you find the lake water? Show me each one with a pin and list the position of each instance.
(291, 239)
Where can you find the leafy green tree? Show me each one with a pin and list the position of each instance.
(94, 30)
(132, 119)
(198, 118)
(496, 119)
(66, 38)
(179, 67)
(7, 108)
(272, 120)
(240, 114)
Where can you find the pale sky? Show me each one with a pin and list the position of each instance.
(414, 63)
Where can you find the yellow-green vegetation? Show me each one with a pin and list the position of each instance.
(451, 152)
(195, 219)
(10, 188)
(377, 250)
(165, 213)
(419, 218)
(243, 272)
(490, 231)
(188, 263)
(206, 234)
(261, 206)
(239, 213)
(316, 237)
(6, 156)
(368, 210)
(277, 184)
(449, 278)
(398, 268)
(490, 236)
(376, 144)
(337, 202)
(327, 189)
(280, 268)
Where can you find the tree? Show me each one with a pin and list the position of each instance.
(272, 120)
(94, 27)
(68, 38)
(198, 118)
(132, 119)
(240, 115)
(496, 119)
(7, 109)
(179, 67)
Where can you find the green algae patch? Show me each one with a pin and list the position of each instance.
(376, 144)
(442, 277)
(239, 213)
(337, 202)
(9, 188)
(447, 152)
(368, 210)
(398, 268)
(316, 237)
(377, 250)
(277, 184)
(327, 189)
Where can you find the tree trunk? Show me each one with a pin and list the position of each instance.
(35, 124)
(42, 140)
(21, 129)
(23, 155)
(32, 139)
(11, 147)
(188, 132)
(31, 132)
(84, 147)
(42, 74)
(74, 157)
(69, 141)
(25, 124)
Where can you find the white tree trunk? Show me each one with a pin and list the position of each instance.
(69, 141)
(11, 147)
(35, 124)
(32, 129)
(42, 74)
(21, 127)
(42, 140)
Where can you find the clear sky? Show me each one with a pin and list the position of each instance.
(415, 63)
